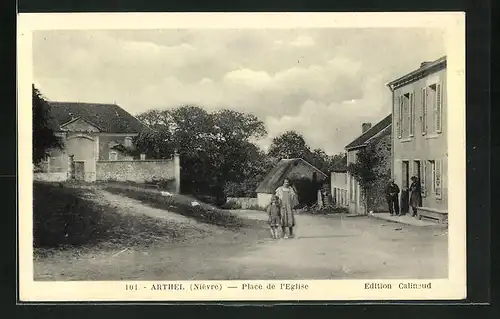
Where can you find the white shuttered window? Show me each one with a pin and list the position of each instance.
(423, 181)
(439, 108)
(399, 111)
(438, 179)
(424, 111)
(411, 114)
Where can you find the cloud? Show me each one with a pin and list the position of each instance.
(321, 82)
(302, 41)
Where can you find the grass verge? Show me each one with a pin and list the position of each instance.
(181, 205)
(68, 216)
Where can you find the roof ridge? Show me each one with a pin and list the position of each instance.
(86, 103)
(370, 130)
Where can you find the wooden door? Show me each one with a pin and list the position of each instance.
(79, 170)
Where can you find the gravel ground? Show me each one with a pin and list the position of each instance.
(325, 247)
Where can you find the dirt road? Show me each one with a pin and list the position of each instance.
(324, 248)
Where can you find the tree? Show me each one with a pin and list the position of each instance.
(321, 160)
(339, 161)
(44, 137)
(289, 145)
(215, 148)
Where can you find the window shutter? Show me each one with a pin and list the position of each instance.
(398, 117)
(411, 112)
(424, 179)
(424, 111)
(437, 178)
(439, 107)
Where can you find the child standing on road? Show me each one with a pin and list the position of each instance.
(273, 210)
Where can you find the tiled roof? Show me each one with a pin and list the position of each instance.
(374, 130)
(109, 118)
(276, 176)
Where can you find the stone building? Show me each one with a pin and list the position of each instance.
(338, 181)
(377, 137)
(97, 145)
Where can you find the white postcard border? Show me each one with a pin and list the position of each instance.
(452, 288)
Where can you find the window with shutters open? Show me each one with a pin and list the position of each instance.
(423, 180)
(437, 179)
(424, 110)
(438, 108)
(399, 114)
(411, 113)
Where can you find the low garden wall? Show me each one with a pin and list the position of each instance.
(50, 177)
(139, 171)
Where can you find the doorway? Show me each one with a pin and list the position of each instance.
(79, 170)
(406, 173)
(417, 169)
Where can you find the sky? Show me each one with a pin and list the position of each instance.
(322, 83)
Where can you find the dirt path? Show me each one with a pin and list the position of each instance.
(324, 248)
(131, 206)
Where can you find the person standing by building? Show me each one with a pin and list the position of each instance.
(288, 201)
(415, 195)
(391, 193)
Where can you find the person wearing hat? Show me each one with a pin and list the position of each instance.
(391, 194)
(415, 194)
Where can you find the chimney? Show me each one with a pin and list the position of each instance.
(424, 64)
(365, 127)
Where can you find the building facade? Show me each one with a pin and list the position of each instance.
(419, 144)
(97, 145)
(378, 138)
(338, 186)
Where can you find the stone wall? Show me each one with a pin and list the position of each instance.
(138, 171)
(50, 177)
(244, 202)
(263, 199)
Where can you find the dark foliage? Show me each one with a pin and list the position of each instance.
(365, 172)
(44, 137)
(307, 190)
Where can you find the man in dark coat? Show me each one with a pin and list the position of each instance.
(391, 193)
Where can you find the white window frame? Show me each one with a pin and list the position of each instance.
(128, 141)
(432, 163)
(438, 108)
(438, 179)
(399, 120)
(423, 181)
(424, 110)
(111, 153)
(411, 114)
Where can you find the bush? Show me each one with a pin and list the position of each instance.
(244, 189)
(327, 210)
(256, 207)
(231, 205)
